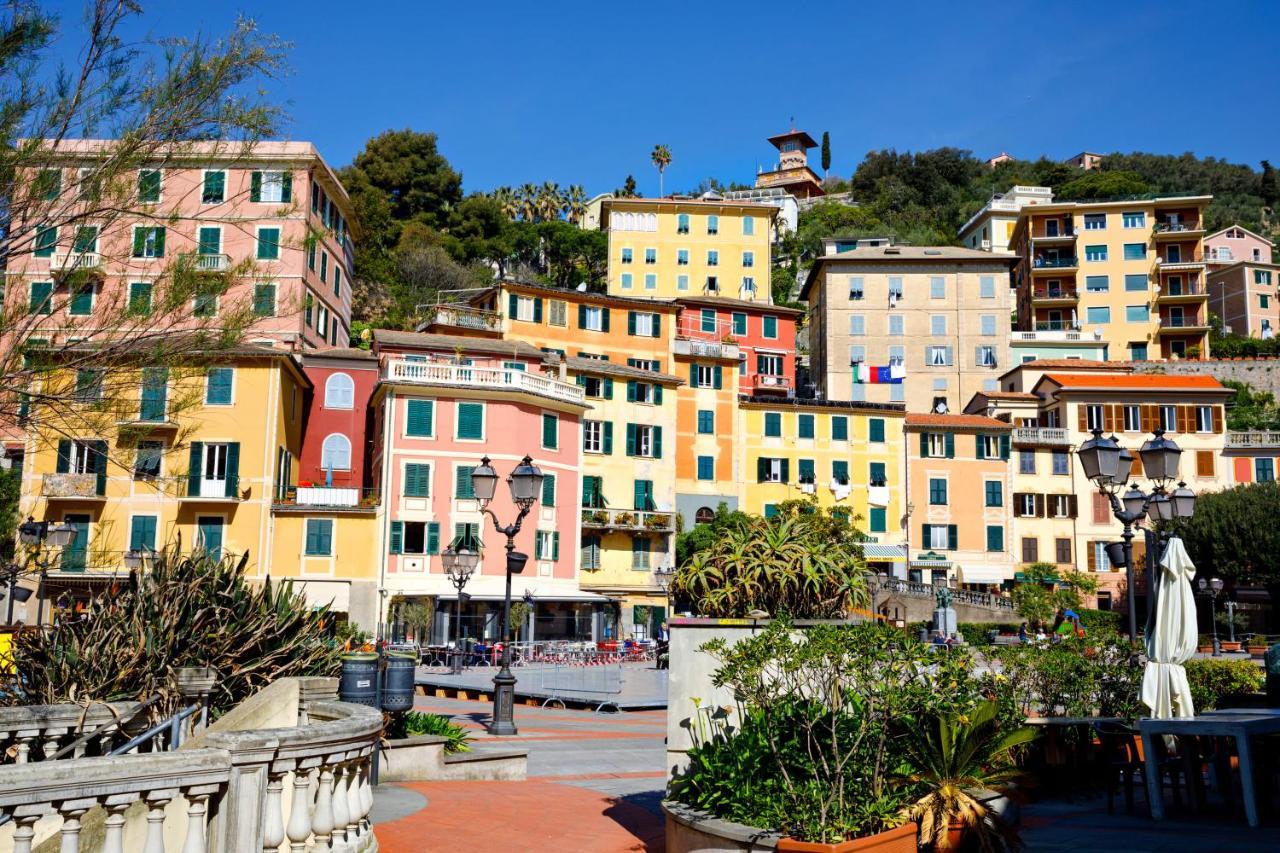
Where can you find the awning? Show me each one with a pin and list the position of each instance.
(885, 553)
(583, 597)
(930, 564)
(335, 594)
(983, 574)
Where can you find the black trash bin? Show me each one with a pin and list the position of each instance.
(359, 680)
(397, 682)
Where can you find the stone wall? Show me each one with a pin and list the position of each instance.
(1261, 374)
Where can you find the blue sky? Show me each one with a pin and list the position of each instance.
(581, 92)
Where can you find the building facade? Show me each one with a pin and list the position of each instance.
(928, 327)
(1236, 243)
(991, 228)
(1243, 295)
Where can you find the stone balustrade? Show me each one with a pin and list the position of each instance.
(916, 589)
(302, 788)
(30, 733)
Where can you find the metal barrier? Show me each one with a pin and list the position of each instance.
(586, 681)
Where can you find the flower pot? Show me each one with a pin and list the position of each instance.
(1258, 651)
(899, 840)
(1205, 650)
(1229, 646)
(956, 833)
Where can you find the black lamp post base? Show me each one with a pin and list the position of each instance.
(504, 697)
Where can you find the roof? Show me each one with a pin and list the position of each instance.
(389, 337)
(805, 139)
(955, 421)
(582, 295)
(578, 364)
(772, 402)
(763, 207)
(1134, 382)
(1242, 228)
(1007, 395)
(340, 352)
(1071, 364)
(1028, 211)
(731, 302)
(900, 254)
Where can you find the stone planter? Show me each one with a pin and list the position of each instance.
(900, 840)
(693, 831)
(1229, 646)
(1205, 650)
(1258, 652)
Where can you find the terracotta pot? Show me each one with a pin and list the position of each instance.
(1205, 650)
(956, 833)
(900, 840)
(1228, 646)
(1258, 651)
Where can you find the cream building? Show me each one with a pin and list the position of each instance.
(991, 228)
(936, 320)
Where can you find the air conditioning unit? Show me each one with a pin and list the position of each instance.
(986, 244)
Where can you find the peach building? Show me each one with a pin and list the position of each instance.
(1243, 294)
(275, 216)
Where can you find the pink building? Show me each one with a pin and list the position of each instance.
(1234, 244)
(765, 336)
(442, 404)
(275, 215)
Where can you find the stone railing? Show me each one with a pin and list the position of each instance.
(1254, 438)
(1040, 435)
(488, 378)
(915, 589)
(31, 733)
(226, 791)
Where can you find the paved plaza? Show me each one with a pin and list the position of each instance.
(626, 686)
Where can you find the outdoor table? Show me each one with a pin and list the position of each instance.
(1243, 726)
(1054, 725)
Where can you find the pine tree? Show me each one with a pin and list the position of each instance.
(826, 153)
(1270, 188)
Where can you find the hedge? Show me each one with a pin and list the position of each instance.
(1215, 682)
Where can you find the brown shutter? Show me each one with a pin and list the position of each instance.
(1084, 418)
(1017, 503)
(1217, 419)
(1150, 418)
(1072, 508)
(1186, 420)
(1039, 506)
(1093, 557)
(1204, 463)
(1101, 509)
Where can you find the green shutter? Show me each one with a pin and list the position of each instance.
(264, 300)
(233, 469)
(142, 533)
(555, 546)
(513, 304)
(537, 309)
(419, 421)
(952, 537)
(608, 437)
(631, 391)
(210, 241)
(433, 537)
(951, 445)
(980, 449)
(657, 394)
(924, 536)
(582, 316)
(41, 297)
(608, 388)
(924, 445)
(396, 544)
(840, 428)
(417, 480)
(762, 469)
(462, 482)
(193, 470)
(550, 431)
(470, 420)
(268, 244)
(1004, 446)
(786, 470)
(876, 430)
(548, 489)
(160, 242)
(631, 323)
(286, 192)
(693, 375)
(64, 456)
(657, 442)
(877, 519)
(718, 381)
(995, 538)
(639, 493)
(139, 240)
(255, 190)
(631, 439)
(154, 393)
(604, 319)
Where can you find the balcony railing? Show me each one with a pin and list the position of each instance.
(1177, 227)
(705, 349)
(1181, 322)
(691, 326)
(1055, 263)
(461, 317)
(1185, 289)
(62, 260)
(1061, 235)
(1049, 336)
(769, 382)
(331, 497)
(1254, 438)
(489, 378)
(1055, 326)
(626, 519)
(1055, 293)
(1180, 264)
(915, 589)
(1041, 435)
(72, 486)
(208, 262)
(1220, 255)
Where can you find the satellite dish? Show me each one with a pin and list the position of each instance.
(582, 288)
(941, 408)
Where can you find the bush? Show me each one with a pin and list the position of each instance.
(416, 723)
(129, 643)
(1096, 622)
(979, 633)
(1215, 681)
(1071, 678)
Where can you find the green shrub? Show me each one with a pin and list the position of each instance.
(979, 633)
(1216, 681)
(1100, 621)
(1072, 678)
(416, 723)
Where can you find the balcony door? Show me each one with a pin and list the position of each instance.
(213, 478)
(74, 556)
(209, 535)
(1173, 255)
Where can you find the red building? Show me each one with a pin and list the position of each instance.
(335, 444)
(764, 334)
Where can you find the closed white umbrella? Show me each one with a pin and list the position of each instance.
(1164, 683)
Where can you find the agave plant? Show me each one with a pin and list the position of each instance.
(188, 610)
(955, 757)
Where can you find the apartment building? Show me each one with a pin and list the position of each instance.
(666, 248)
(991, 228)
(957, 499)
(928, 327)
(846, 456)
(1243, 294)
(1252, 455)
(272, 220)
(1129, 273)
(764, 334)
(134, 486)
(1236, 243)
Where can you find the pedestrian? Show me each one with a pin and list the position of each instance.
(1022, 633)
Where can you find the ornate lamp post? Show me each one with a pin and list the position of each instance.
(32, 535)
(1210, 587)
(1109, 466)
(460, 561)
(525, 482)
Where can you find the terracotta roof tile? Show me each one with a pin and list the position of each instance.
(955, 421)
(1136, 381)
(1077, 364)
(1008, 395)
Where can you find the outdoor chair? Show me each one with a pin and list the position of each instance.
(1122, 761)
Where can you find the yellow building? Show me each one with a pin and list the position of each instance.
(847, 455)
(1131, 274)
(199, 457)
(667, 248)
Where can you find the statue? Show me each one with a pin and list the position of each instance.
(944, 598)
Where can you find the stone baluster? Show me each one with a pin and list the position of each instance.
(322, 822)
(195, 842)
(71, 812)
(23, 754)
(299, 828)
(340, 815)
(24, 832)
(273, 820)
(355, 802)
(155, 821)
(366, 791)
(51, 741)
(113, 834)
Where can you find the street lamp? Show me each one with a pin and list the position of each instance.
(1210, 587)
(460, 563)
(664, 575)
(525, 482)
(32, 535)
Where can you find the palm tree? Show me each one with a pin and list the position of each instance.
(550, 201)
(528, 202)
(661, 158)
(508, 201)
(576, 202)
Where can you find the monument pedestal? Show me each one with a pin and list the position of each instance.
(944, 620)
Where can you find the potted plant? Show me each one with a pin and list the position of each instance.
(657, 521)
(959, 758)
(1204, 645)
(624, 519)
(1257, 646)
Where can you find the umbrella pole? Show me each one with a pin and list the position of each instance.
(1133, 603)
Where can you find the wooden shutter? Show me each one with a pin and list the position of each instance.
(98, 464)
(419, 419)
(1150, 416)
(786, 470)
(555, 546)
(1185, 419)
(1017, 503)
(462, 482)
(1091, 558)
(582, 316)
(657, 325)
(1101, 509)
(1204, 463)
(604, 319)
(608, 388)
(953, 538)
(657, 442)
(608, 437)
(693, 375)
(1081, 410)
(631, 439)
(979, 447)
(537, 309)
(286, 191)
(657, 394)
(718, 381)
(396, 542)
(549, 490)
(1004, 446)
(762, 469)
(1217, 419)
(631, 391)
(193, 471)
(951, 445)
(255, 186)
(1072, 507)
(233, 469)
(513, 306)
(1040, 502)
(631, 323)
(433, 537)
(64, 455)
(639, 494)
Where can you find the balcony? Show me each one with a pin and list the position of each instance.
(462, 317)
(1060, 239)
(1055, 436)
(629, 520)
(1182, 325)
(770, 384)
(329, 498)
(445, 375)
(1043, 266)
(1177, 266)
(207, 262)
(74, 487)
(1172, 231)
(1219, 255)
(1057, 326)
(206, 491)
(1253, 438)
(1194, 292)
(706, 349)
(1047, 336)
(1055, 295)
(64, 261)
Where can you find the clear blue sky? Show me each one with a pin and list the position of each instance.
(581, 92)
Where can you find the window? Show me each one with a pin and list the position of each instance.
(593, 318)
(1093, 417)
(682, 223)
(470, 421)
(1264, 301)
(626, 281)
(644, 441)
(46, 241)
(264, 300)
(524, 308)
(804, 427)
(994, 491)
(748, 226)
(769, 470)
(340, 392)
(148, 242)
(877, 519)
(1169, 418)
(1101, 509)
(268, 244)
(1030, 549)
(205, 304)
(1135, 251)
(713, 224)
(597, 388)
(146, 460)
(319, 538)
(682, 282)
(420, 418)
(1204, 419)
(876, 474)
(995, 537)
(706, 468)
(895, 289)
(1137, 314)
(987, 287)
(1135, 283)
(682, 257)
(840, 428)
(335, 453)
(271, 187)
(1097, 283)
(748, 259)
(1026, 461)
(938, 324)
(713, 258)
(1132, 419)
(640, 553)
(86, 239)
(208, 242)
(987, 324)
(82, 301)
(218, 385)
(650, 282)
(1098, 315)
(986, 356)
(705, 376)
(324, 267)
(89, 385)
(857, 324)
(1095, 221)
(1264, 470)
(1134, 220)
(937, 445)
(149, 185)
(215, 188)
(707, 320)
(1062, 551)
(897, 393)
(739, 323)
(1095, 253)
(417, 480)
(896, 326)
(773, 424)
(642, 496)
(875, 430)
(857, 354)
(550, 431)
(1061, 462)
(937, 491)
(650, 256)
(840, 471)
(1262, 277)
(987, 446)
(547, 545)
(1137, 352)
(940, 537)
(855, 288)
(768, 363)
(937, 287)
(770, 327)
(938, 356)
(50, 181)
(706, 422)
(1204, 463)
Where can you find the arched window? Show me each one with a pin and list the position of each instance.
(651, 222)
(335, 455)
(704, 515)
(339, 392)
